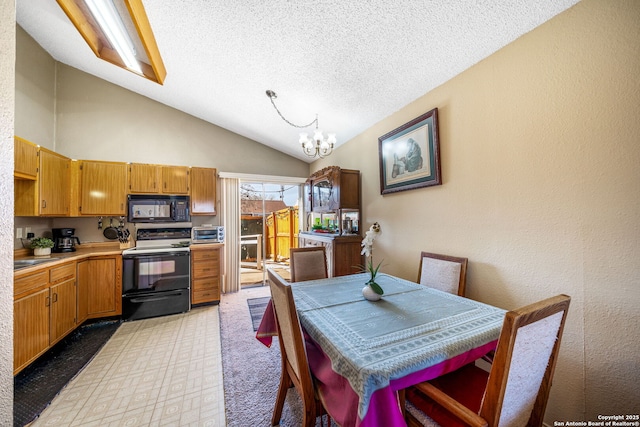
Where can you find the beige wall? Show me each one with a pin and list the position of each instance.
(7, 101)
(35, 98)
(541, 191)
(100, 121)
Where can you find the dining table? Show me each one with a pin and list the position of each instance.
(361, 353)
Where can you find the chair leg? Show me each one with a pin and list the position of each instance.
(285, 384)
(402, 403)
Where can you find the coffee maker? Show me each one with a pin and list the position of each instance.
(64, 240)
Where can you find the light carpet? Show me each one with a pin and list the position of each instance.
(251, 371)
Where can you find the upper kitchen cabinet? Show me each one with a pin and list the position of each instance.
(25, 159)
(158, 179)
(101, 188)
(145, 179)
(54, 183)
(203, 191)
(175, 180)
(49, 194)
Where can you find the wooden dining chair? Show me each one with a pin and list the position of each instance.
(295, 366)
(443, 272)
(516, 391)
(308, 263)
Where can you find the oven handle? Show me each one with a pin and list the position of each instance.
(156, 254)
(155, 297)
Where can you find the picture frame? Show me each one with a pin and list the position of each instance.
(410, 155)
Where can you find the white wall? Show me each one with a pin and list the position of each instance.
(540, 153)
(7, 99)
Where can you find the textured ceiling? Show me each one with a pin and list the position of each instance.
(351, 62)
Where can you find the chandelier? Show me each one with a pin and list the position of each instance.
(318, 146)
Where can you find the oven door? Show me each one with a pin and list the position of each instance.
(156, 272)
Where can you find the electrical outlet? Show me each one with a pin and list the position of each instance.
(27, 230)
(19, 233)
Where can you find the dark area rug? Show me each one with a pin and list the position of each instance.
(251, 371)
(256, 310)
(37, 385)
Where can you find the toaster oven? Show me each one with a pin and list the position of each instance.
(207, 234)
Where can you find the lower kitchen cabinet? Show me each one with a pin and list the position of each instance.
(343, 252)
(99, 287)
(44, 311)
(205, 273)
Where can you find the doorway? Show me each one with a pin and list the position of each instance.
(269, 226)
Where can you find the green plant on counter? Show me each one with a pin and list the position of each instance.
(41, 242)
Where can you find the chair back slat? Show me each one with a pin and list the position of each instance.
(520, 378)
(443, 272)
(289, 329)
(308, 263)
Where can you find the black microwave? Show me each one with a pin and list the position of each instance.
(158, 208)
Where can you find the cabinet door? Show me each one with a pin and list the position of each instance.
(203, 191)
(25, 159)
(175, 179)
(63, 309)
(144, 178)
(54, 183)
(30, 328)
(100, 284)
(103, 188)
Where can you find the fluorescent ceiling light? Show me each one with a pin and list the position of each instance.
(119, 32)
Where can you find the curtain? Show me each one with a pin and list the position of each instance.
(231, 222)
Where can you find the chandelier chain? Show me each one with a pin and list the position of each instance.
(271, 94)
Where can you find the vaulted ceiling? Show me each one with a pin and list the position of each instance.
(351, 62)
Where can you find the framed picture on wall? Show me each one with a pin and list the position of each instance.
(410, 155)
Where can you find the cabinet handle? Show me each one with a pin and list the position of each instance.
(47, 301)
(44, 204)
(55, 297)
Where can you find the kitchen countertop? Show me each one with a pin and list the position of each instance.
(82, 251)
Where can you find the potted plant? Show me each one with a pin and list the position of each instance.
(41, 246)
(372, 290)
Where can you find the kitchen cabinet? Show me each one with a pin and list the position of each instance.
(100, 287)
(158, 179)
(49, 194)
(25, 155)
(144, 179)
(343, 252)
(203, 191)
(44, 311)
(54, 183)
(175, 180)
(102, 188)
(205, 273)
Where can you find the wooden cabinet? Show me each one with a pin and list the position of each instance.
(48, 194)
(343, 252)
(333, 188)
(158, 179)
(205, 273)
(175, 180)
(62, 282)
(203, 191)
(54, 183)
(102, 188)
(100, 287)
(44, 311)
(25, 159)
(145, 179)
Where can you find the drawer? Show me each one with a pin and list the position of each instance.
(205, 284)
(30, 282)
(204, 269)
(198, 297)
(66, 271)
(208, 255)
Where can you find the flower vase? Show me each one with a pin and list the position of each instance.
(369, 294)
